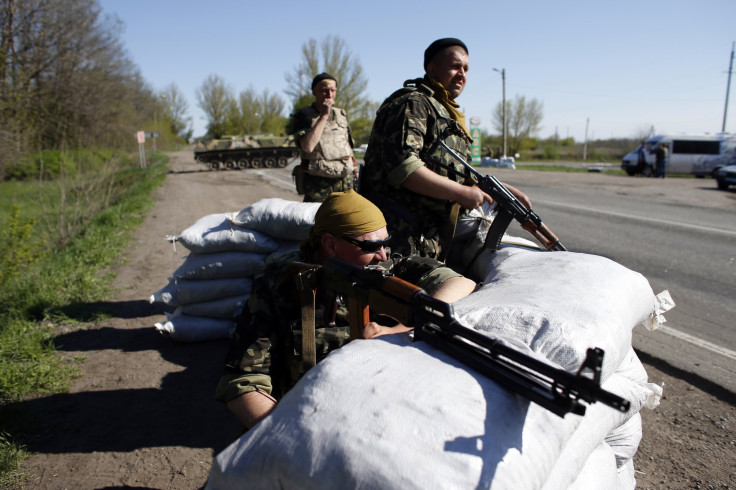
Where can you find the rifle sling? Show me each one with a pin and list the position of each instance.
(309, 347)
(494, 236)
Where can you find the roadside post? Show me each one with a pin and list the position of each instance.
(141, 137)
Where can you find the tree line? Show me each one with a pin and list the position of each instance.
(66, 82)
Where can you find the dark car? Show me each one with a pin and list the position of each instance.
(726, 176)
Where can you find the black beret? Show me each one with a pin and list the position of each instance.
(320, 77)
(439, 45)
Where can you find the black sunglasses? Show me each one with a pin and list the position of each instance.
(370, 246)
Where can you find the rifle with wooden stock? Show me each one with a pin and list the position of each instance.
(375, 288)
(508, 207)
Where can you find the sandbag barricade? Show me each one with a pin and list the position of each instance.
(392, 413)
(227, 250)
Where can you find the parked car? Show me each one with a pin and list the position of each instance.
(361, 149)
(726, 176)
(503, 162)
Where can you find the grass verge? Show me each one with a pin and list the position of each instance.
(45, 294)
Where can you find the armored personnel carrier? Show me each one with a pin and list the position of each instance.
(246, 151)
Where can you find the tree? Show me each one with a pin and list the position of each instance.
(332, 56)
(174, 109)
(65, 80)
(216, 99)
(523, 120)
(271, 113)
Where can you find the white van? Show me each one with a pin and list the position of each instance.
(697, 154)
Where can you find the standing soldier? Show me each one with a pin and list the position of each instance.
(417, 184)
(325, 144)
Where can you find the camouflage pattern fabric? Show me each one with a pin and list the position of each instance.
(406, 134)
(335, 144)
(317, 189)
(265, 353)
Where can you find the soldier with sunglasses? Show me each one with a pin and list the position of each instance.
(264, 360)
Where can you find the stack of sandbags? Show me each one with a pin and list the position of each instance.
(392, 413)
(227, 250)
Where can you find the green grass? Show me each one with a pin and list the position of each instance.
(56, 288)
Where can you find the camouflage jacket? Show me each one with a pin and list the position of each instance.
(266, 351)
(406, 134)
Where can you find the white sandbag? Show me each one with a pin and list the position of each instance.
(215, 233)
(624, 440)
(561, 304)
(228, 307)
(279, 218)
(180, 292)
(221, 265)
(599, 473)
(599, 423)
(626, 476)
(286, 246)
(391, 413)
(185, 328)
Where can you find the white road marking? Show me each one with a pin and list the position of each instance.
(646, 220)
(698, 342)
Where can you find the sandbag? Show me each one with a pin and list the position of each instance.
(226, 307)
(562, 303)
(185, 328)
(180, 292)
(392, 413)
(278, 218)
(221, 265)
(216, 233)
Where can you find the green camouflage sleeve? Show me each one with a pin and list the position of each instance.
(404, 135)
(233, 385)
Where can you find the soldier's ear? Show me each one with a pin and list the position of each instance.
(328, 244)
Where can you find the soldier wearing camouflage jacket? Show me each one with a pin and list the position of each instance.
(418, 185)
(265, 358)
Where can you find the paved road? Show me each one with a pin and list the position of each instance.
(679, 233)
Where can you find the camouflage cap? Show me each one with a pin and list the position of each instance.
(439, 45)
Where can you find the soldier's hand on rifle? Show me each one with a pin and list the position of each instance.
(373, 329)
(519, 195)
(470, 197)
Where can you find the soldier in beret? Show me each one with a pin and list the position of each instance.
(322, 133)
(265, 358)
(419, 187)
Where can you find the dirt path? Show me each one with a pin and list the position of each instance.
(143, 413)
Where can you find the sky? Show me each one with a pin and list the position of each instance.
(601, 69)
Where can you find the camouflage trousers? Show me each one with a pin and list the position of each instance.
(317, 189)
(406, 240)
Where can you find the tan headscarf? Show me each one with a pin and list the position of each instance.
(342, 214)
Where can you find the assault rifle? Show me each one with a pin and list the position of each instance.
(509, 207)
(373, 287)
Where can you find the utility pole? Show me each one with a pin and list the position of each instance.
(585, 144)
(728, 87)
(502, 71)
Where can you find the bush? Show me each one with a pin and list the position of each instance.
(51, 165)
